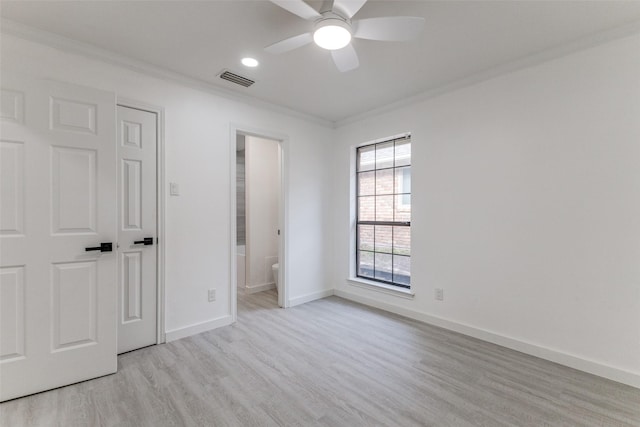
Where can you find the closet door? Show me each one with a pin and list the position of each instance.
(137, 296)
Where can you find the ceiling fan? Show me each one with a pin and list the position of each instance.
(333, 29)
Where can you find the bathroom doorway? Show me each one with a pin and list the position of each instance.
(258, 218)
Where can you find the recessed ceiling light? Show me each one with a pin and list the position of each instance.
(250, 62)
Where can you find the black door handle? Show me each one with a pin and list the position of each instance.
(104, 247)
(146, 241)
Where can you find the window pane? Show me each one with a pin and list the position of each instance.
(365, 264)
(384, 239)
(403, 180)
(384, 181)
(403, 152)
(384, 208)
(403, 209)
(366, 208)
(384, 155)
(384, 267)
(366, 183)
(402, 240)
(366, 158)
(365, 237)
(401, 269)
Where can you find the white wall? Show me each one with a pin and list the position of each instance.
(262, 196)
(526, 199)
(526, 209)
(197, 135)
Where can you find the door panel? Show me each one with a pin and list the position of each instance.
(73, 294)
(137, 131)
(11, 106)
(131, 286)
(12, 313)
(73, 190)
(58, 196)
(73, 115)
(132, 195)
(12, 188)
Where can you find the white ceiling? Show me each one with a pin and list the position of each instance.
(200, 38)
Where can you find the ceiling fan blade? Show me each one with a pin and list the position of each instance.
(391, 28)
(298, 7)
(346, 59)
(289, 44)
(348, 7)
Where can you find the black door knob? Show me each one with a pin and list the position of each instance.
(104, 247)
(146, 241)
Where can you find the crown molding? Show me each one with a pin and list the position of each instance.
(85, 49)
(73, 46)
(546, 55)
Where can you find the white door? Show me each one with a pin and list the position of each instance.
(137, 291)
(57, 197)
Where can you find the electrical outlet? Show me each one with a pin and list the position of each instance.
(212, 295)
(439, 295)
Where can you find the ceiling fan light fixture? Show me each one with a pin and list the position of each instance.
(332, 34)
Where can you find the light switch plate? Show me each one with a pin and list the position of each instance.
(174, 190)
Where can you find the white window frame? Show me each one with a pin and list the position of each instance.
(353, 279)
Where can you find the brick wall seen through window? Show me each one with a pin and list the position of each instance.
(383, 251)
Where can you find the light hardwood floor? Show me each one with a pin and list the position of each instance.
(330, 363)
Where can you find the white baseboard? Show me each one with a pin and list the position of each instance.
(197, 328)
(310, 297)
(259, 288)
(575, 362)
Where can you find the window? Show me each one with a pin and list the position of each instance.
(383, 243)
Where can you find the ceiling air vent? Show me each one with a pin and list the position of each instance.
(235, 78)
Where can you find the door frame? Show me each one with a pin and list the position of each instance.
(160, 209)
(283, 212)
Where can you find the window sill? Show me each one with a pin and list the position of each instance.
(381, 287)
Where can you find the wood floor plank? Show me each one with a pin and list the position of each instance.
(330, 362)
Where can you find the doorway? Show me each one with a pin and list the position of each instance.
(258, 215)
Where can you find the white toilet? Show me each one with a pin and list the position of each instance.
(274, 268)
